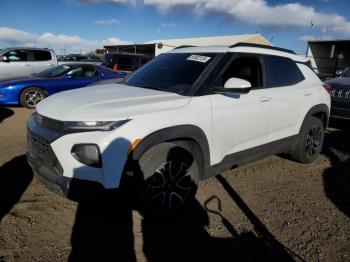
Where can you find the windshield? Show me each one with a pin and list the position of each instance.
(55, 71)
(172, 72)
(346, 72)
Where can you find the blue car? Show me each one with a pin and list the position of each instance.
(28, 91)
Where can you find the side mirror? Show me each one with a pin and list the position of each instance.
(67, 76)
(235, 85)
(4, 59)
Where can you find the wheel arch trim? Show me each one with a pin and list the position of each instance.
(320, 108)
(179, 132)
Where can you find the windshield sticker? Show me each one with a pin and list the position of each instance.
(65, 66)
(199, 58)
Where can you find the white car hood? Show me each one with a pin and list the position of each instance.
(107, 103)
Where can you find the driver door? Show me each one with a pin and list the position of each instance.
(240, 121)
(79, 76)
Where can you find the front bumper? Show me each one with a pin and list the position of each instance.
(50, 172)
(338, 112)
(49, 153)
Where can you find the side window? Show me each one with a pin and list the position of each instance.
(17, 55)
(125, 63)
(41, 55)
(247, 68)
(282, 71)
(84, 71)
(76, 72)
(90, 71)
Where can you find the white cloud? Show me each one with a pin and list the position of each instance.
(259, 12)
(71, 44)
(255, 12)
(110, 22)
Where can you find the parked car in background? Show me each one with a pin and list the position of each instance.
(339, 89)
(93, 61)
(124, 63)
(25, 61)
(30, 90)
(72, 58)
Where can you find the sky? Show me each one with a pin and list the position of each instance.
(78, 26)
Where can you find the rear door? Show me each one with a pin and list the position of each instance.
(17, 64)
(287, 96)
(41, 60)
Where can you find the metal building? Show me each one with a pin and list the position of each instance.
(329, 57)
(157, 47)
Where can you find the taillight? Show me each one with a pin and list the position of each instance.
(328, 88)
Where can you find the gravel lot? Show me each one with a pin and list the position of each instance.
(273, 209)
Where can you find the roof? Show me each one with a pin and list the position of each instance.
(26, 47)
(254, 49)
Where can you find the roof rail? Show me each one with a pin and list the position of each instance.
(264, 46)
(184, 46)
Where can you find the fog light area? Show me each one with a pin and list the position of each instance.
(87, 154)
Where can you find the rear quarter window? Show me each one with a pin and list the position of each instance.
(282, 71)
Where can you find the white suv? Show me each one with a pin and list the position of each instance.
(187, 115)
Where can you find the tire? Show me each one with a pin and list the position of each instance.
(31, 96)
(170, 176)
(310, 141)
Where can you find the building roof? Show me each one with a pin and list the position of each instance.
(202, 41)
(213, 40)
(329, 41)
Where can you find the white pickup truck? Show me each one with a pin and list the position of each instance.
(25, 61)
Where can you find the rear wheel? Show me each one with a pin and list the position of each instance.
(31, 96)
(310, 143)
(170, 177)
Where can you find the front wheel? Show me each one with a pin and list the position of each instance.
(170, 177)
(31, 96)
(310, 142)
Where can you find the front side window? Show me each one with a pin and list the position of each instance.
(247, 68)
(172, 72)
(17, 55)
(83, 71)
(282, 71)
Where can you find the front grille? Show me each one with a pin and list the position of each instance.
(38, 145)
(340, 93)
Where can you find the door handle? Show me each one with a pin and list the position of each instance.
(26, 65)
(265, 98)
(50, 64)
(307, 93)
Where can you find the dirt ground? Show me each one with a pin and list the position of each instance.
(273, 209)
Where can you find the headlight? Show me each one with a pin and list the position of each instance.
(95, 125)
